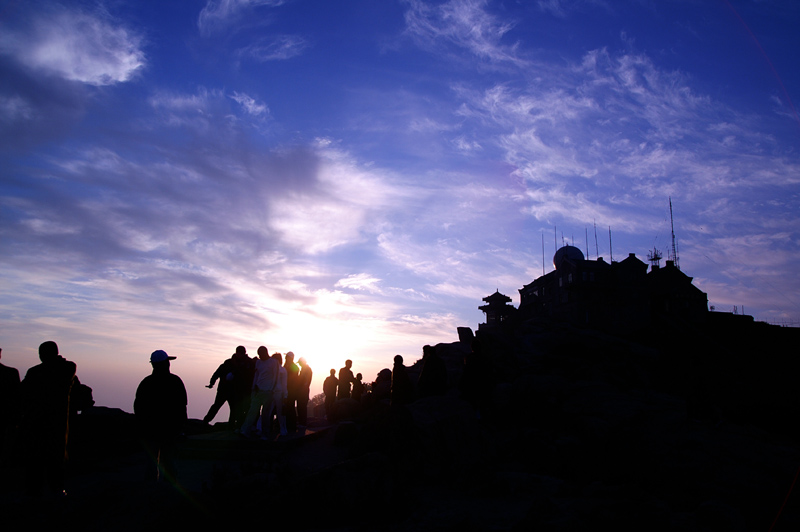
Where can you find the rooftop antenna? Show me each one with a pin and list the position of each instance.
(675, 260)
(586, 230)
(655, 259)
(542, 253)
(610, 252)
(596, 247)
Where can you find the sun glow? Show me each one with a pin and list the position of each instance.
(329, 332)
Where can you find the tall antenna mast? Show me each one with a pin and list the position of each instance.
(672, 227)
(596, 247)
(610, 249)
(586, 236)
(542, 253)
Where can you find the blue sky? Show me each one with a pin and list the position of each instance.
(349, 179)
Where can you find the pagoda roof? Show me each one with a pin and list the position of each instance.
(497, 297)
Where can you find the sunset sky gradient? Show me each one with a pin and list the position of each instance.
(349, 179)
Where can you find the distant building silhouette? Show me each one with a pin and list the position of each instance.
(602, 295)
(497, 309)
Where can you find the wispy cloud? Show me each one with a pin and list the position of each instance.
(562, 8)
(15, 109)
(612, 135)
(615, 130)
(274, 48)
(88, 47)
(360, 281)
(218, 15)
(205, 110)
(250, 105)
(348, 201)
(464, 24)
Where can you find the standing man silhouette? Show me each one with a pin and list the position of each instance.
(160, 409)
(292, 391)
(329, 389)
(261, 400)
(45, 419)
(303, 392)
(345, 379)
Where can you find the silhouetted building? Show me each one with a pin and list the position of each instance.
(672, 294)
(596, 294)
(497, 310)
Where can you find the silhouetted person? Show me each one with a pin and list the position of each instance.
(292, 392)
(402, 390)
(9, 410)
(280, 394)
(225, 391)
(401, 419)
(382, 387)
(44, 426)
(433, 377)
(80, 397)
(261, 398)
(303, 392)
(345, 379)
(244, 369)
(329, 389)
(358, 387)
(160, 408)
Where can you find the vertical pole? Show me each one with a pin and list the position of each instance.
(586, 236)
(672, 227)
(596, 247)
(542, 253)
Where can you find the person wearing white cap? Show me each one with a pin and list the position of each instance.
(160, 408)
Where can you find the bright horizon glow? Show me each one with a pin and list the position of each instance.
(349, 180)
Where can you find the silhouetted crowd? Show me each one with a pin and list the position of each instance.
(261, 392)
(393, 387)
(266, 395)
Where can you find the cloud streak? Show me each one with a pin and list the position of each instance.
(464, 24)
(87, 47)
(275, 48)
(219, 15)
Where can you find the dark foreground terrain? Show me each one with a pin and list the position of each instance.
(575, 431)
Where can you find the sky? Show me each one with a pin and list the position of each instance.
(349, 179)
